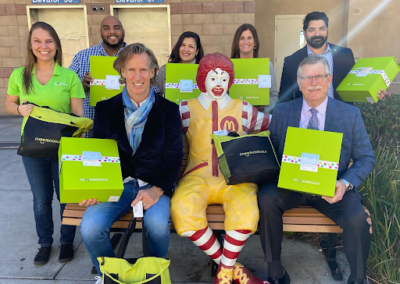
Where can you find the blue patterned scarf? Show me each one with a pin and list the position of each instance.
(136, 117)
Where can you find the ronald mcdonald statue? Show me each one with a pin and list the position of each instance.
(203, 184)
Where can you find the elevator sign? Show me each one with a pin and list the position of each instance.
(56, 1)
(137, 1)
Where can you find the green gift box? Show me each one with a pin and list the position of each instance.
(180, 82)
(89, 168)
(106, 79)
(252, 81)
(310, 161)
(366, 78)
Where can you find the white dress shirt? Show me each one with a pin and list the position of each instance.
(306, 114)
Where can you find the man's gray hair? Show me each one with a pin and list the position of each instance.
(126, 54)
(313, 59)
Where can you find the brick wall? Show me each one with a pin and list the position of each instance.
(214, 20)
(13, 32)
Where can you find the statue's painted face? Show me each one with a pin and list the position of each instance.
(217, 82)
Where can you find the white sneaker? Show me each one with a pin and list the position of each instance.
(98, 279)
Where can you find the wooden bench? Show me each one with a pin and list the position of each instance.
(302, 219)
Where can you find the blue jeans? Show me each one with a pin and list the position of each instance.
(97, 221)
(43, 179)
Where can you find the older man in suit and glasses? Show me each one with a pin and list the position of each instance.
(315, 110)
(340, 59)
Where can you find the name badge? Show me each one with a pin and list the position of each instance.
(138, 210)
(309, 162)
(264, 81)
(364, 71)
(186, 86)
(112, 82)
(91, 159)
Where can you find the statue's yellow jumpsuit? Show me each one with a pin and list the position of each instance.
(202, 183)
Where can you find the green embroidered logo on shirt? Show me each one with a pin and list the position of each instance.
(61, 84)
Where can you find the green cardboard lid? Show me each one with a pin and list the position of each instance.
(250, 68)
(175, 72)
(100, 67)
(326, 145)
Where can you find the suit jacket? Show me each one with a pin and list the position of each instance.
(343, 61)
(340, 117)
(159, 156)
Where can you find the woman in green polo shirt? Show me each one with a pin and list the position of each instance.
(44, 82)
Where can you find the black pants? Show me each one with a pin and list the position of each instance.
(348, 213)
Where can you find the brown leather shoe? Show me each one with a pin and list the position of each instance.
(224, 275)
(241, 275)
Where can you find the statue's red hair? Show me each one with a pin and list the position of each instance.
(212, 62)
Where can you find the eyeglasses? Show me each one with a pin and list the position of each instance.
(318, 78)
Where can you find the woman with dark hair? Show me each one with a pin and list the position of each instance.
(187, 50)
(246, 45)
(44, 82)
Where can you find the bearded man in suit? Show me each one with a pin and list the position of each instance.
(340, 59)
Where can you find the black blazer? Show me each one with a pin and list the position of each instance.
(158, 158)
(343, 61)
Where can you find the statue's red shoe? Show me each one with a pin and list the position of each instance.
(241, 275)
(224, 274)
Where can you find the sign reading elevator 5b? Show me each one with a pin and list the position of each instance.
(55, 1)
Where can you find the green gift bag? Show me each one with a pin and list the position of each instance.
(43, 129)
(249, 158)
(146, 270)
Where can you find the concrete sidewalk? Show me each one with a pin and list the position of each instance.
(18, 241)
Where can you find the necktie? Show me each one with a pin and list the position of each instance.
(313, 122)
(214, 128)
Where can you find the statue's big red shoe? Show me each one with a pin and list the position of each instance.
(224, 275)
(241, 275)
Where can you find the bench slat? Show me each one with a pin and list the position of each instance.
(311, 228)
(302, 219)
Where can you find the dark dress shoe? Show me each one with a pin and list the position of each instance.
(66, 253)
(42, 257)
(285, 279)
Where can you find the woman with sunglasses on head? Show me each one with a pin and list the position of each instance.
(187, 50)
(246, 45)
(44, 82)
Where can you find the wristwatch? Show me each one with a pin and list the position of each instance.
(348, 185)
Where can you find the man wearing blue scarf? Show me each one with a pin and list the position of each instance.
(149, 138)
